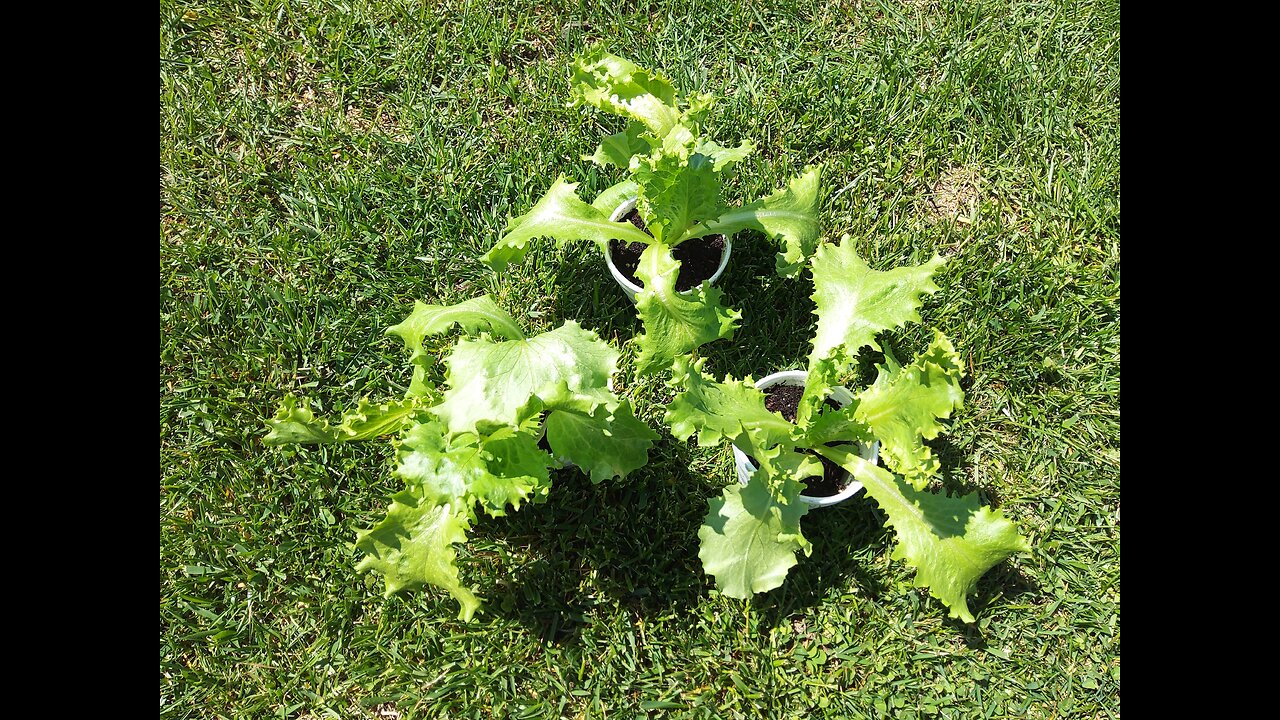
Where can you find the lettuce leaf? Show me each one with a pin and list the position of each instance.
(675, 323)
(296, 424)
(717, 412)
(413, 546)
(564, 217)
(492, 381)
(605, 444)
(473, 316)
(724, 157)
(677, 187)
(789, 215)
(616, 85)
(904, 405)
(950, 541)
(507, 468)
(855, 303)
(617, 150)
(751, 533)
(612, 197)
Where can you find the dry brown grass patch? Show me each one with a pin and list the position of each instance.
(955, 195)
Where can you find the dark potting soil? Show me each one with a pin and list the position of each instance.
(698, 258)
(785, 399)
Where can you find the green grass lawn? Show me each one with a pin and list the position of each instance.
(325, 164)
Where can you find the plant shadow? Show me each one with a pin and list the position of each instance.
(1002, 581)
(629, 543)
(957, 472)
(587, 293)
(775, 328)
(847, 541)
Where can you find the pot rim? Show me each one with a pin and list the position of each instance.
(842, 396)
(630, 288)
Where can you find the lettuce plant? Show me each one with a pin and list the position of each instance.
(751, 534)
(675, 174)
(478, 441)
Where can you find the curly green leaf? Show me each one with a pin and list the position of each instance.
(619, 86)
(564, 217)
(413, 546)
(724, 157)
(295, 423)
(751, 534)
(904, 406)
(603, 444)
(950, 541)
(507, 468)
(675, 323)
(493, 381)
(854, 302)
(618, 149)
(613, 196)
(677, 188)
(720, 411)
(473, 315)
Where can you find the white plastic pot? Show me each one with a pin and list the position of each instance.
(631, 288)
(842, 397)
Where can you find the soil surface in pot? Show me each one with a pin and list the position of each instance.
(698, 258)
(785, 399)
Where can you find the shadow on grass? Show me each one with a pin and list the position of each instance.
(847, 539)
(586, 292)
(957, 471)
(631, 543)
(1001, 581)
(777, 314)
